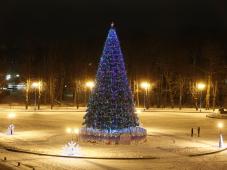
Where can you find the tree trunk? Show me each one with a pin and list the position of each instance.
(51, 86)
(215, 86)
(137, 93)
(27, 94)
(76, 94)
(181, 87)
(208, 93)
(170, 89)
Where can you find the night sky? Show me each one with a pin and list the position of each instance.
(87, 19)
(139, 24)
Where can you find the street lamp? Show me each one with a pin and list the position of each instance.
(11, 116)
(36, 85)
(146, 86)
(221, 143)
(8, 76)
(201, 87)
(90, 84)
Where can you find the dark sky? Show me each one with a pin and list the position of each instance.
(88, 19)
(77, 29)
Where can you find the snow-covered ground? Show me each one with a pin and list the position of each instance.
(169, 144)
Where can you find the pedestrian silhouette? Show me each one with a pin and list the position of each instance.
(192, 132)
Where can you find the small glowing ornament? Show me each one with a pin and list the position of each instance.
(69, 130)
(71, 149)
(11, 115)
(220, 125)
(10, 130)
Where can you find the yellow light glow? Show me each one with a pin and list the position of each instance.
(76, 131)
(90, 84)
(201, 86)
(138, 111)
(220, 125)
(68, 130)
(11, 115)
(36, 85)
(145, 85)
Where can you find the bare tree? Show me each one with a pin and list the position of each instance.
(194, 93)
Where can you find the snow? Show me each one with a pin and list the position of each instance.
(169, 141)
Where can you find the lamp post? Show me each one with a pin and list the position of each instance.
(221, 143)
(76, 131)
(90, 85)
(27, 93)
(36, 85)
(146, 87)
(201, 87)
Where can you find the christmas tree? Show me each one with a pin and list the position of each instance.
(111, 106)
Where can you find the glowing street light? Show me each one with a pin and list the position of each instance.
(8, 76)
(11, 115)
(138, 111)
(37, 85)
(221, 142)
(220, 125)
(146, 86)
(90, 84)
(68, 130)
(72, 131)
(201, 86)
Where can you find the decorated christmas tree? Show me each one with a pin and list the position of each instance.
(111, 107)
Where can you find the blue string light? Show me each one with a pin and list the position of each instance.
(111, 105)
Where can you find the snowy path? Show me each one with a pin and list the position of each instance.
(169, 140)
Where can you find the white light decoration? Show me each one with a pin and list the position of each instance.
(11, 115)
(221, 141)
(71, 149)
(10, 130)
